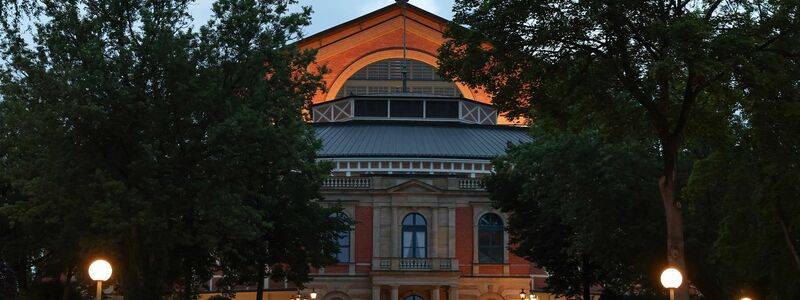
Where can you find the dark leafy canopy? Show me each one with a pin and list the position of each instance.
(581, 209)
(669, 73)
(130, 136)
(753, 175)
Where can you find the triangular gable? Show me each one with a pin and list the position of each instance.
(375, 18)
(414, 186)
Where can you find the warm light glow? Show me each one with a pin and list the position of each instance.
(522, 294)
(746, 298)
(100, 270)
(533, 296)
(313, 294)
(671, 278)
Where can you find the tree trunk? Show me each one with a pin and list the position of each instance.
(260, 285)
(786, 236)
(65, 292)
(668, 186)
(587, 278)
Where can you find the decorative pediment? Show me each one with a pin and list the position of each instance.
(414, 186)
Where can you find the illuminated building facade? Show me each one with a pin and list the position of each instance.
(408, 164)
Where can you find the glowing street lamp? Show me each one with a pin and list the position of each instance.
(100, 270)
(523, 296)
(745, 298)
(671, 279)
(313, 294)
(300, 296)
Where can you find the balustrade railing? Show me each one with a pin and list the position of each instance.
(347, 183)
(470, 184)
(414, 264)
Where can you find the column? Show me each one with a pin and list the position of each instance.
(453, 292)
(434, 240)
(395, 243)
(376, 292)
(376, 231)
(394, 294)
(435, 293)
(451, 232)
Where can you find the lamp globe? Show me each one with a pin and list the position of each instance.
(671, 278)
(100, 270)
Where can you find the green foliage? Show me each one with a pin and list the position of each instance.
(130, 136)
(678, 74)
(753, 178)
(694, 78)
(580, 208)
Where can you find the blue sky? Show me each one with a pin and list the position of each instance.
(329, 13)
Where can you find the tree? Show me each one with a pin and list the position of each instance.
(578, 209)
(753, 174)
(131, 136)
(646, 70)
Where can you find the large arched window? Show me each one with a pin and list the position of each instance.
(490, 239)
(414, 236)
(344, 241)
(412, 297)
(386, 76)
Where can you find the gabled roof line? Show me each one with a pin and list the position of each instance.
(371, 14)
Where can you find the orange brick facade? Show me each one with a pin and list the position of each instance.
(360, 42)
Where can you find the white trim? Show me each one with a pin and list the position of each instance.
(385, 165)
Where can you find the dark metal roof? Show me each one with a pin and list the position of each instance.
(416, 139)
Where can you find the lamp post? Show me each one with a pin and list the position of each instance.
(300, 296)
(100, 270)
(523, 296)
(745, 298)
(671, 279)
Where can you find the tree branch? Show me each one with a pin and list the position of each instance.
(712, 9)
(689, 97)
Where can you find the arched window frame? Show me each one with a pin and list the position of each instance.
(503, 257)
(345, 256)
(414, 236)
(384, 76)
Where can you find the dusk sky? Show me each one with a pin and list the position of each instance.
(329, 13)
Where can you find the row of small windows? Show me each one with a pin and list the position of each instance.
(386, 76)
(353, 89)
(406, 108)
(392, 69)
(415, 233)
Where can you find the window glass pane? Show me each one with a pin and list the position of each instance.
(490, 239)
(419, 220)
(420, 239)
(343, 256)
(414, 236)
(370, 108)
(441, 109)
(406, 109)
